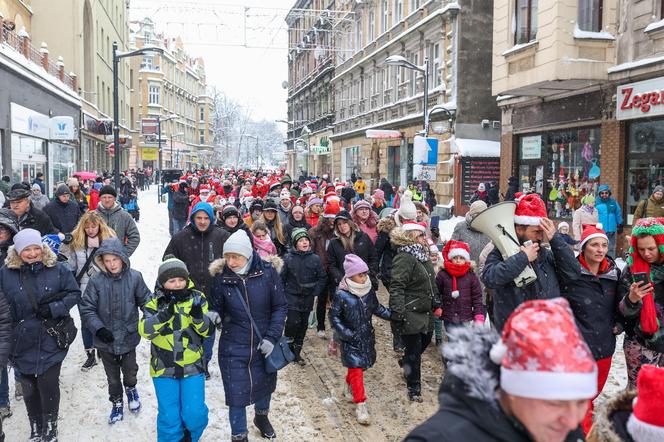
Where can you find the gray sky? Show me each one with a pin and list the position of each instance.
(252, 76)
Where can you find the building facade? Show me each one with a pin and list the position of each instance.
(39, 105)
(172, 88)
(84, 36)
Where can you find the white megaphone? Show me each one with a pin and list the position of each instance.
(497, 222)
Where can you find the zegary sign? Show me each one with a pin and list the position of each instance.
(640, 100)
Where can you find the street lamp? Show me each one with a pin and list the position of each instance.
(398, 60)
(448, 112)
(116, 111)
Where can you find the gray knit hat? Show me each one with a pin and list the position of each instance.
(172, 267)
(239, 243)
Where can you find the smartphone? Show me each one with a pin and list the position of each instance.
(640, 278)
(528, 243)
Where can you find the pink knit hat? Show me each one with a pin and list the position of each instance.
(353, 265)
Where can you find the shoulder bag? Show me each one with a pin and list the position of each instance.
(86, 266)
(281, 355)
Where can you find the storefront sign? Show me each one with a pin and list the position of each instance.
(63, 128)
(319, 150)
(383, 133)
(149, 153)
(475, 171)
(95, 126)
(531, 147)
(149, 126)
(29, 122)
(641, 99)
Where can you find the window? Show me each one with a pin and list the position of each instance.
(358, 34)
(201, 136)
(154, 94)
(661, 9)
(384, 19)
(397, 12)
(413, 75)
(590, 15)
(147, 62)
(436, 62)
(645, 166)
(201, 113)
(371, 26)
(414, 4)
(525, 21)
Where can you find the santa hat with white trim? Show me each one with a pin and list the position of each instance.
(456, 248)
(530, 210)
(591, 231)
(542, 354)
(408, 226)
(646, 424)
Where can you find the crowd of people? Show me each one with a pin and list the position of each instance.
(259, 258)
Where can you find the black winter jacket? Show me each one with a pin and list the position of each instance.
(64, 216)
(384, 250)
(181, 203)
(303, 278)
(350, 316)
(5, 330)
(594, 301)
(292, 225)
(362, 247)
(550, 266)
(241, 225)
(632, 314)
(38, 220)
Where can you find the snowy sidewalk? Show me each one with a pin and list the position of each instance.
(84, 405)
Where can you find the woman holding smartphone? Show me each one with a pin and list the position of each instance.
(642, 304)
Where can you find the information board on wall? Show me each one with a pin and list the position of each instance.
(475, 171)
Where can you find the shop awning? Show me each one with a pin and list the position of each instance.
(468, 147)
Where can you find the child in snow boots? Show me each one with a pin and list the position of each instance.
(109, 309)
(176, 322)
(352, 307)
(304, 280)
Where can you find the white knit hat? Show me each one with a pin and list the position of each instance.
(407, 209)
(239, 243)
(26, 238)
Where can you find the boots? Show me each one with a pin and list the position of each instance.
(207, 372)
(117, 412)
(263, 424)
(186, 437)
(244, 437)
(35, 428)
(90, 362)
(50, 428)
(133, 401)
(362, 413)
(415, 394)
(18, 391)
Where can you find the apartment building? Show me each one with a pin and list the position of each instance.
(172, 87)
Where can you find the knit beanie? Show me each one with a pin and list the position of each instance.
(269, 205)
(353, 265)
(108, 190)
(229, 211)
(284, 194)
(298, 234)
(378, 194)
(239, 243)
(361, 204)
(588, 199)
(26, 238)
(313, 201)
(407, 209)
(653, 227)
(563, 224)
(72, 182)
(62, 190)
(475, 209)
(172, 267)
(297, 208)
(658, 188)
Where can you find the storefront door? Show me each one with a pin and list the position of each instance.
(28, 158)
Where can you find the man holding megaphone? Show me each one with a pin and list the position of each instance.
(531, 226)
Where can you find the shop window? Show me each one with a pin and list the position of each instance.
(590, 15)
(562, 166)
(525, 21)
(645, 165)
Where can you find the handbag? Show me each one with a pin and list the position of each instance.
(63, 330)
(281, 354)
(86, 266)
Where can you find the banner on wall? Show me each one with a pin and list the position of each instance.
(425, 158)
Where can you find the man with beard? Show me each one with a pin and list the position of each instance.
(550, 264)
(197, 245)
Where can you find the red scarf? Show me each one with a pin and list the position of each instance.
(648, 315)
(603, 266)
(455, 271)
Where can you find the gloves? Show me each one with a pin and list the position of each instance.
(196, 310)
(620, 229)
(266, 347)
(165, 311)
(396, 317)
(479, 319)
(45, 311)
(214, 318)
(105, 335)
(438, 312)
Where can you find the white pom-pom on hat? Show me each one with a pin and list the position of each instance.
(498, 352)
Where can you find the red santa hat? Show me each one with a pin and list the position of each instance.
(456, 248)
(543, 355)
(646, 424)
(591, 231)
(530, 210)
(204, 188)
(331, 209)
(409, 226)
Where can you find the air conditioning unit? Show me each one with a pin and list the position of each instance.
(495, 124)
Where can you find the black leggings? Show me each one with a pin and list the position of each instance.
(412, 359)
(42, 393)
(321, 308)
(296, 329)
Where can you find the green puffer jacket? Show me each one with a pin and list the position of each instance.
(413, 289)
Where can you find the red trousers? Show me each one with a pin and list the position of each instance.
(603, 367)
(355, 378)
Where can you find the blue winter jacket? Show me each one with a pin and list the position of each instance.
(610, 214)
(242, 364)
(33, 350)
(350, 316)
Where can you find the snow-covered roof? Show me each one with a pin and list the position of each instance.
(468, 147)
(635, 64)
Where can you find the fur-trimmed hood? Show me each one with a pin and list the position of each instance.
(399, 237)
(14, 262)
(386, 225)
(218, 266)
(614, 411)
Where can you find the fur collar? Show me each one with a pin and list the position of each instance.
(399, 238)
(602, 429)
(13, 261)
(386, 225)
(218, 266)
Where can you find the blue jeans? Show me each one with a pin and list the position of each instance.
(177, 225)
(238, 415)
(181, 404)
(612, 244)
(208, 345)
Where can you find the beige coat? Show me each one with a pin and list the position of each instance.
(582, 216)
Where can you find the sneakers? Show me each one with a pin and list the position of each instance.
(264, 426)
(362, 413)
(321, 334)
(90, 362)
(117, 412)
(415, 396)
(348, 393)
(133, 401)
(5, 412)
(18, 391)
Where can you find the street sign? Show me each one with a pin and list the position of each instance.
(62, 128)
(149, 126)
